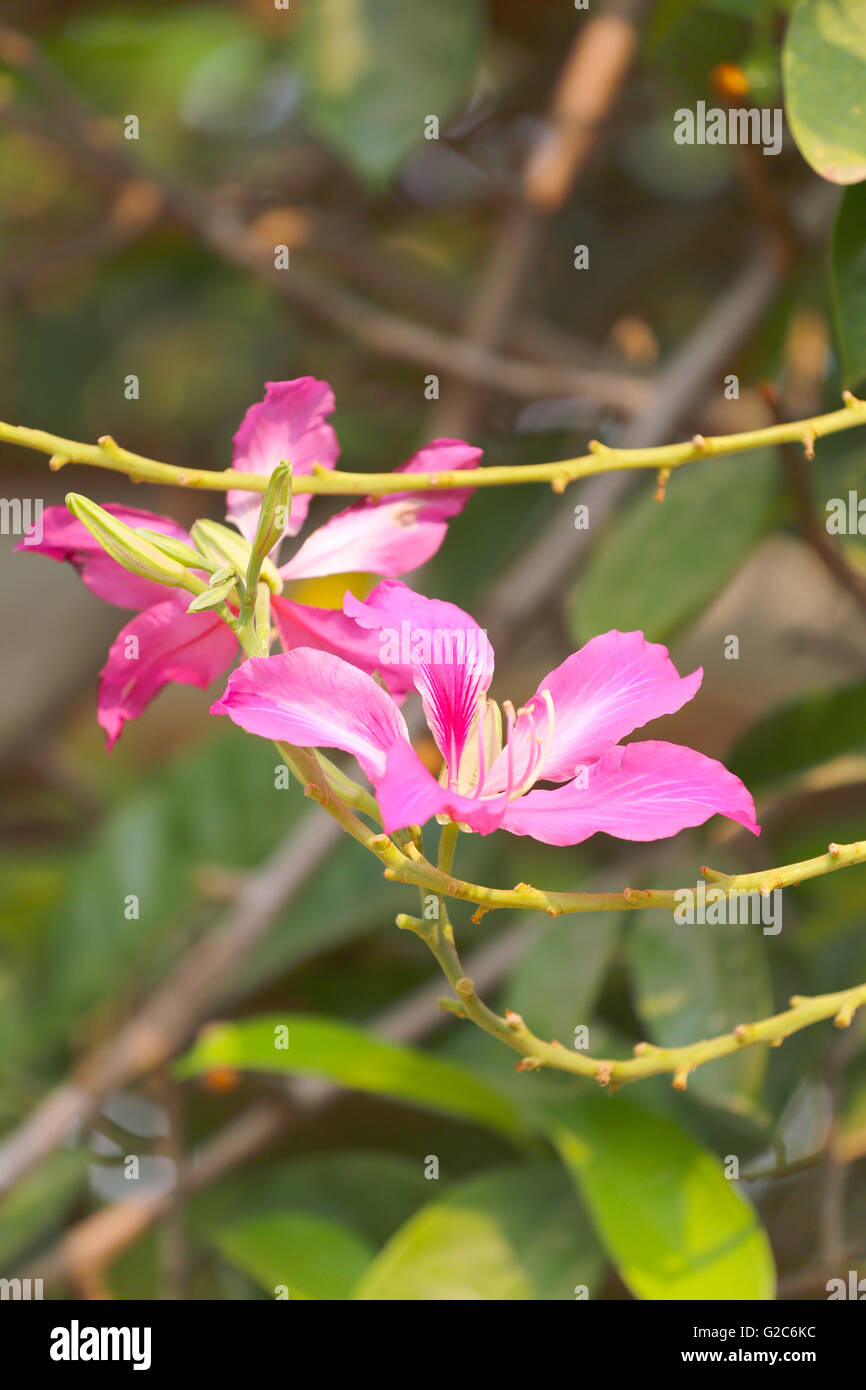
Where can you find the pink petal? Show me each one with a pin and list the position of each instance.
(65, 538)
(616, 683)
(314, 700)
(290, 423)
(447, 653)
(409, 795)
(642, 791)
(393, 535)
(164, 643)
(329, 630)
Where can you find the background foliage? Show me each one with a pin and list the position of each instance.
(306, 129)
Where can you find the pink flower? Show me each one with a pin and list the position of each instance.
(568, 733)
(164, 643)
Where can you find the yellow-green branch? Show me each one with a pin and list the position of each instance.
(600, 459)
(408, 865)
(648, 1060)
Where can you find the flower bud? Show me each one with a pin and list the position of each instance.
(175, 549)
(274, 514)
(226, 547)
(127, 546)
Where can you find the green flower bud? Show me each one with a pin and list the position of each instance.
(226, 547)
(127, 546)
(214, 595)
(274, 514)
(177, 550)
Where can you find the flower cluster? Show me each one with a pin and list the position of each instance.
(555, 769)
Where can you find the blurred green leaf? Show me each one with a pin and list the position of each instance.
(513, 1233)
(555, 982)
(215, 809)
(375, 69)
(138, 63)
(39, 1202)
(696, 981)
(801, 735)
(824, 71)
(373, 1193)
(659, 563)
(311, 1257)
(355, 1059)
(672, 1222)
(848, 281)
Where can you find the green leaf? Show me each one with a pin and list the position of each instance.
(216, 807)
(824, 72)
(355, 1059)
(311, 1257)
(848, 282)
(696, 981)
(556, 980)
(39, 1202)
(514, 1233)
(801, 735)
(660, 563)
(143, 62)
(375, 69)
(660, 1203)
(371, 1193)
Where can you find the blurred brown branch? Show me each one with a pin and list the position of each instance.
(97, 149)
(589, 84)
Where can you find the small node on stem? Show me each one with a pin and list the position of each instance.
(635, 896)
(523, 888)
(465, 988)
(107, 444)
(809, 438)
(834, 851)
(776, 1042)
(714, 875)
(560, 482)
(640, 1049)
(603, 1073)
(851, 400)
(478, 914)
(452, 1006)
(741, 1032)
(701, 442)
(681, 1079)
(845, 1016)
(797, 999)
(514, 1021)
(528, 1064)
(662, 484)
(58, 461)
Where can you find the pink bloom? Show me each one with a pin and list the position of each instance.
(569, 732)
(164, 643)
(289, 424)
